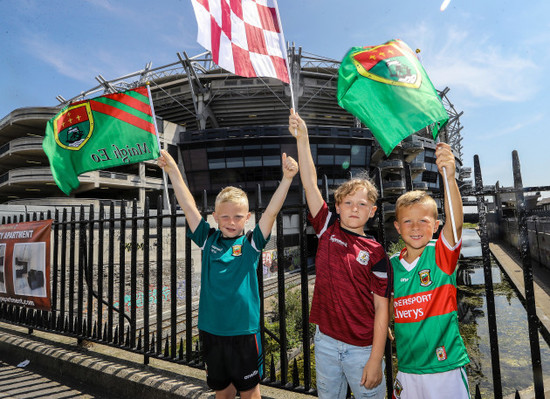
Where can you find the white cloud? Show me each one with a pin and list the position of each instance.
(63, 60)
(517, 127)
(73, 62)
(485, 71)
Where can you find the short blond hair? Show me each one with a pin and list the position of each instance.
(353, 185)
(412, 198)
(231, 194)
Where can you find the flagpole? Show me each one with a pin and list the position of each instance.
(448, 196)
(286, 61)
(158, 142)
(447, 192)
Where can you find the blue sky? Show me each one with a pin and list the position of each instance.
(494, 56)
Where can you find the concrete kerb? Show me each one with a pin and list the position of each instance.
(118, 372)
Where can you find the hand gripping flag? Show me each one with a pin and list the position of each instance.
(244, 36)
(107, 131)
(387, 88)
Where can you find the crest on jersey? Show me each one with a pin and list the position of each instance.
(441, 353)
(237, 250)
(363, 257)
(397, 389)
(425, 278)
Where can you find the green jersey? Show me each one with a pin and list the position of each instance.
(425, 309)
(229, 299)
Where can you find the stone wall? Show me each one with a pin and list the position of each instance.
(506, 229)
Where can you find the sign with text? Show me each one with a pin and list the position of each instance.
(25, 264)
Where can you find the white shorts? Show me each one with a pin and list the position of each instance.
(451, 384)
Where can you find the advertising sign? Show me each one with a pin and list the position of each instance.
(25, 264)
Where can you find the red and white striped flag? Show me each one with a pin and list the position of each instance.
(244, 36)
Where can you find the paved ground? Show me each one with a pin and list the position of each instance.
(24, 383)
(122, 373)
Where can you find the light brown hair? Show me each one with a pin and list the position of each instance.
(231, 194)
(353, 185)
(412, 198)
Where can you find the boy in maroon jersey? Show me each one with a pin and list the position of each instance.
(352, 285)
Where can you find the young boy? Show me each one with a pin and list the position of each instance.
(229, 307)
(430, 352)
(350, 299)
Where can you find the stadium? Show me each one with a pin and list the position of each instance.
(227, 130)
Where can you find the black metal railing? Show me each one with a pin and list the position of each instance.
(130, 279)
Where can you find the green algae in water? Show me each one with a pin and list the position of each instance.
(513, 335)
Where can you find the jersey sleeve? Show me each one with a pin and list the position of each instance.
(201, 233)
(256, 239)
(322, 220)
(446, 256)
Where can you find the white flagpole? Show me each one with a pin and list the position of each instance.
(448, 197)
(286, 60)
(450, 205)
(158, 142)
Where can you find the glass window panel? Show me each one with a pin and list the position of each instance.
(271, 160)
(253, 161)
(358, 155)
(216, 163)
(234, 162)
(325, 159)
(342, 161)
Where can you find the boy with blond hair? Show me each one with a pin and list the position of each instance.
(352, 284)
(430, 352)
(229, 307)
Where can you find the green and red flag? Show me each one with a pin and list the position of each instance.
(103, 132)
(387, 88)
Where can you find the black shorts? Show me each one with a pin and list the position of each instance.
(235, 359)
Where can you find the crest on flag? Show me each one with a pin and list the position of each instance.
(386, 87)
(388, 64)
(73, 127)
(245, 37)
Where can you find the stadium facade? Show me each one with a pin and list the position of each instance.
(225, 129)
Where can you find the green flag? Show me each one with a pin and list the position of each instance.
(107, 131)
(386, 87)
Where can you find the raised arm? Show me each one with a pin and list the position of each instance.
(185, 199)
(308, 173)
(290, 168)
(445, 158)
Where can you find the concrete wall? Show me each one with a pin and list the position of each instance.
(538, 233)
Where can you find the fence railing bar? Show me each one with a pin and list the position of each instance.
(146, 269)
(173, 279)
(488, 277)
(133, 275)
(111, 275)
(159, 267)
(532, 319)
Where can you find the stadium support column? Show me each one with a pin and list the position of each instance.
(142, 182)
(199, 94)
(294, 62)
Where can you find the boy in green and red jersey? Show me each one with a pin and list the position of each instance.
(430, 352)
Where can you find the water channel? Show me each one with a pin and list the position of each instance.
(513, 336)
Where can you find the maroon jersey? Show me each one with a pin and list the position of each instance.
(349, 269)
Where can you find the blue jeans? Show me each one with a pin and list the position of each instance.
(339, 364)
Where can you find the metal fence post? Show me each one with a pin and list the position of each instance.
(487, 273)
(525, 255)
